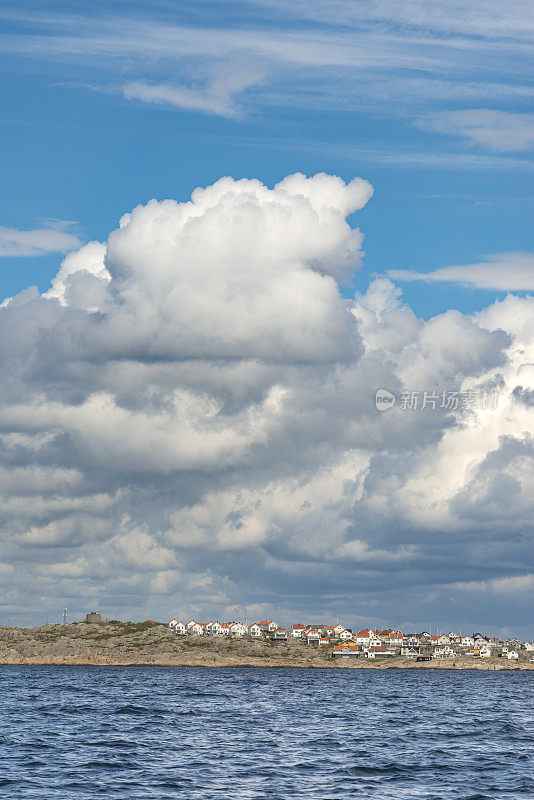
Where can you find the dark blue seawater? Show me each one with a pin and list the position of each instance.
(150, 732)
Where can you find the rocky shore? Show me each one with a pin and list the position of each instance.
(151, 643)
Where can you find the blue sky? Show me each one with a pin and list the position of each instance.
(188, 417)
(349, 91)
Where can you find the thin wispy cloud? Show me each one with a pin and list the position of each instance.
(511, 585)
(489, 19)
(218, 96)
(498, 130)
(37, 242)
(362, 51)
(510, 272)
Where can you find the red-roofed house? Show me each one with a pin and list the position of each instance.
(225, 628)
(346, 649)
(367, 638)
(279, 635)
(267, 626)
(238, 629)
(312, 636)
(195, 629)
(214, 628)
(177, 627)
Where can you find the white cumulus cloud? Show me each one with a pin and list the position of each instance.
(188, 421)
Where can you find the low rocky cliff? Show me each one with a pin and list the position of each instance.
(122, 643)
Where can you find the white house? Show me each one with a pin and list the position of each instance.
(280, 635)
(390, 637)
(195, 629)
(485, 652)
(297, 630)
(311, 636)
(443, 652)
(529, 646)
(467, 641)
(225, 628)
(330, 631)
(214, 628)
(380, 652)
(346, 649)
(267, 626)
(177, 626)
(344, 635)
(238, 629)
(512, 655)
(254, 631)
(367, 638)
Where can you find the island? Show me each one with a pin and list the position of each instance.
(116, 643)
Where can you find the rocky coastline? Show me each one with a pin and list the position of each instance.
(153, 644)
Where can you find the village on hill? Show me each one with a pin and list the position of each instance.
(367, 643)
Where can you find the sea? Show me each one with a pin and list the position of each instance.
(190, 732)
